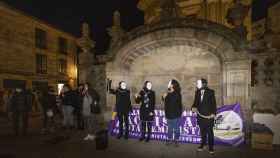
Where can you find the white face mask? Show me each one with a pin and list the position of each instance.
(199, 84)
(123, 85)
(18, 90)
(169, 84)
(149, 86)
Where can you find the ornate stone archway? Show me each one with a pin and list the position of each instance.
(198, 41)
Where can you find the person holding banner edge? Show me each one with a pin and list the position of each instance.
(147, 98)
(123, 106)
(205, 107)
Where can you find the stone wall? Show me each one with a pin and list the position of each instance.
(266, 81)
(184, 63)
(18, 50)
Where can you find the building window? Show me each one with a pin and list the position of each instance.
(41, 64)
(62, 45)
(40, 38)
(62, 66)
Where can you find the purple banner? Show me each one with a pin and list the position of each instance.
(228, 128)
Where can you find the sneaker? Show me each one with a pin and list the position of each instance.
(176, 143)
(119, 136)
(141, 139)
(211, 151)
(87, 137)
(200, 148)
(91, 137)
(147, 140)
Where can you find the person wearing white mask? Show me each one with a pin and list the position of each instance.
(205, 106)
(147, 99)
(123, 106)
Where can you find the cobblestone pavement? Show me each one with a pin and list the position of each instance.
(36, 145)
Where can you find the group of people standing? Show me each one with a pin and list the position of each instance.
(80, 104)
(204, 105)
(76, 108)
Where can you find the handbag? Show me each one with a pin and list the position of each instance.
(50, 113)
(95, 108)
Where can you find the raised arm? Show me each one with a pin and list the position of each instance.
(110, 89)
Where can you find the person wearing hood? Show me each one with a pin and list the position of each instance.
(123, 106)
(205, 106)
(147, 99)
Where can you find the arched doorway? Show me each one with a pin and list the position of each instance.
(185, 50)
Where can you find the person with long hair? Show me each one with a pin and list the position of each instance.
(173, 111)
(147, 98)
(90, 98)
(123, 106)
(205, 106)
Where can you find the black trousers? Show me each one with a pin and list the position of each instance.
(80, 120)
(18, 119)
(207, 133)
(146, 127)
(123, 118)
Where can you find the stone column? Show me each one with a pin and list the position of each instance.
(236, 16)
(86, 57)
(116, 32)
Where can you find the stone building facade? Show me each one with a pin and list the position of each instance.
(187, 40)
(34, 54)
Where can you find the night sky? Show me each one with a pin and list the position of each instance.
(68, 15)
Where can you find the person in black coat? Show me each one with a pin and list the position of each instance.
(147, 98)
(68, 105)
(123, 106)
(78, 107)
(173, 110)
(20, 108)
(205, 106)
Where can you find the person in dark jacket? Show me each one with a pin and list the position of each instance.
(68, 106)
(173, 110)
(205, 106)
(123, 106)
(48, 106)
(20, 108)
(147, 98)
(78, 107)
